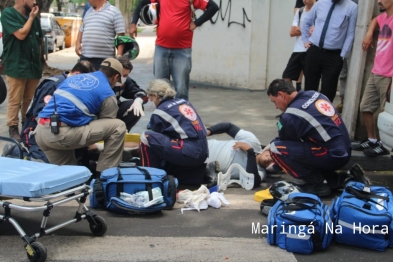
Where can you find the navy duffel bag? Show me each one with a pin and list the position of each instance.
(134, 190)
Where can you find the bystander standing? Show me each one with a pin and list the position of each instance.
(22, 36)
(334, 24)
(175, 27)
(96, 36)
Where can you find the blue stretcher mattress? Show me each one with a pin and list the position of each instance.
(21, 178)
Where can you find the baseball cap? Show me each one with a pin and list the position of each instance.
(114, 64)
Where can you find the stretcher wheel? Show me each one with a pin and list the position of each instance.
(40, 252)
(99, 227)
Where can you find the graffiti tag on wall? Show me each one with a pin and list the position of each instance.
(228, 11)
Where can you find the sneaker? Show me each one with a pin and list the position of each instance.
(339, 107)
(297, 181)
(14, 133)
(320, 190)
(211, 174)
(356, 173)
(376, 149)
(362, 145)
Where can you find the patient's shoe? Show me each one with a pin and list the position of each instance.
(320, 189)
(211, 173)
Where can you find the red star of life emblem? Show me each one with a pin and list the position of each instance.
(188, 112)
(324, 107)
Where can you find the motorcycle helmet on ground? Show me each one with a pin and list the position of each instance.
(149, 14)
(280, 190)
(131, 47)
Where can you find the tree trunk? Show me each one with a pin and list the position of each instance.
(44, 5)
(59, 5)
(125, 9)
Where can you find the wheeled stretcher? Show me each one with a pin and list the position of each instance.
(50, 184)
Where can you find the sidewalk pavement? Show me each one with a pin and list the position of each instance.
(250, 110)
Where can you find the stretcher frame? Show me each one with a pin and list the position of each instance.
(35, 250)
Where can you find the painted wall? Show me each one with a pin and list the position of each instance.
(246, 45)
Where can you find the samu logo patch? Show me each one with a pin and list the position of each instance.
(325, 107)
(279, 125)
(188, 112)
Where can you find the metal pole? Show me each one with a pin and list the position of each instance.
(356, 69)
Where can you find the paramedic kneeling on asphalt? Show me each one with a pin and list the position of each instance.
(312, 139)
(86, 107)
(177, 142)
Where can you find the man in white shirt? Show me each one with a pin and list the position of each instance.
(293, 71)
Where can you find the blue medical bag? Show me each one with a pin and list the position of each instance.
(363, 216)
(300, 224)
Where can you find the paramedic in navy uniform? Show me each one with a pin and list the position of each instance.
(86, 107)
(312, 139)
(177, 142)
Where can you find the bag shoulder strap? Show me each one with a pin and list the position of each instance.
(360, 194)
(171, 191)
(148, 185)
(363, 194)
(301, 203)
(99, 192)
(193, 17)
(301, 9)
(120, 186)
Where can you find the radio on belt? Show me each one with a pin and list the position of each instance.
(54, 119)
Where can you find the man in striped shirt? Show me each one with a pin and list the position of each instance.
(95, 41)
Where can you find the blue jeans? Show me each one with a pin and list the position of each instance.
(175, 62)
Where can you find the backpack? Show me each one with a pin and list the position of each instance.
(363, 216)
(116, 186)
(300, 224)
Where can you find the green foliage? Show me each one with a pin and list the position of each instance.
(79, 2)
(135, 4)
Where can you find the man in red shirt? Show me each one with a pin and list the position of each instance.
(175, 29)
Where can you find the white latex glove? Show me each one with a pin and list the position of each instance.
(137, 107)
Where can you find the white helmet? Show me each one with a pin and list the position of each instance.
(148, 14)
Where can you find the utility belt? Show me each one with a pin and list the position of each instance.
(46, 122)
(335, 51)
